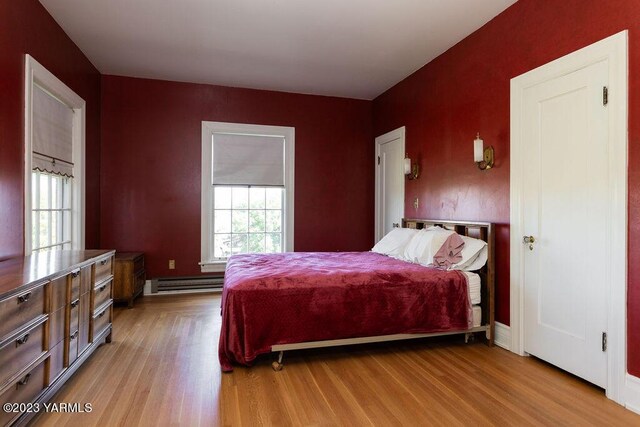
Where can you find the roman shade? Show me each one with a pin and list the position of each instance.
(52, 142)
(248, 160)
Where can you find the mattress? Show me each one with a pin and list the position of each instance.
(474, 286)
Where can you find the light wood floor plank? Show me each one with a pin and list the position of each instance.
(162, 369)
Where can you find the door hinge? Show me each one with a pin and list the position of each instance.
(604, 341)
(605, 95)
(378, 159)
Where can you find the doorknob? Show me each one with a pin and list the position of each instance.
(530, 240)
(396, 225)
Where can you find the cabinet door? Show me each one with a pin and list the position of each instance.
(84, 320)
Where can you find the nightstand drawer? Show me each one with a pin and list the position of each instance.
(103, 269)
(102, 293)
(138, 264)
(19, 351)
(24, 390)
(20, 309)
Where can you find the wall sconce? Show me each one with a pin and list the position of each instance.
(482, 156)
(412, 171)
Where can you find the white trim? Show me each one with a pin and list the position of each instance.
(383, 139)
(208, 129)
(503, 336)
(614, 50)
(34, 72)
(632, 394)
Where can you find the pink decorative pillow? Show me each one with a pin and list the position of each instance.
(450, 252)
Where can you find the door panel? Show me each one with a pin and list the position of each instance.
(392, 184)
(566, 211)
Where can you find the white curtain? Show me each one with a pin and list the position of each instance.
(248, 160)
(52, 142)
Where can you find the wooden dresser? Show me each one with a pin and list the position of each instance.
(55, 310)
(129, 276)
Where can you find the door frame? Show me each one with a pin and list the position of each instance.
(383, 139)
(613, 49)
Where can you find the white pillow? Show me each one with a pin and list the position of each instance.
(394, 242)
(474, 254)
(424, 245)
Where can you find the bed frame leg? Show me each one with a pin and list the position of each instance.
(468, 337)
(277, 365)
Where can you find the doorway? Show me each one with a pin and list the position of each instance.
(389, 160)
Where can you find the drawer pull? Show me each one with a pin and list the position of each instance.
(75, 274)
(103, 262)
(75, 303)
(23, 381)
(74, 335)
(102, 288)
(22, 340)
(102, 314)
(24, 298)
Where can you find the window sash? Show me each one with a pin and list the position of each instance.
(247, 207)
(54, 204)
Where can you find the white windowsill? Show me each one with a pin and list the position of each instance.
(213, 267)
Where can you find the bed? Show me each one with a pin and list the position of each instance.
(301, 300)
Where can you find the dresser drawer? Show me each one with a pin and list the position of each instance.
(101, 320)
(56, 361)
(26, 389)
(58, 293)
(56, 327)
(20, 351)
(102, 293)
(103, 268)
(21, 309)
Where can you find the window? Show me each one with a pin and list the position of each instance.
(51, 211)
(247, 191)
(54, 158)
(247, 219)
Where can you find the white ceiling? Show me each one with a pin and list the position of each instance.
(348, 48)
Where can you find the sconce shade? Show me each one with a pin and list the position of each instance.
(478, 149)
(407, 166)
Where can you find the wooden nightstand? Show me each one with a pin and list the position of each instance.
(129, 276)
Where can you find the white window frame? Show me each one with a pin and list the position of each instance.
(36, 73)
(208, 265)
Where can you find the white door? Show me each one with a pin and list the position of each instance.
(389, 181)
(565, 220)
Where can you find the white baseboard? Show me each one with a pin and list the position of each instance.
(147, 288)
(632, 395)
(503, 336)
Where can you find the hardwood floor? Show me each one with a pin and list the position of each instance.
(162, 369)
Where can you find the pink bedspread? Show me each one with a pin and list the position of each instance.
(295, 297)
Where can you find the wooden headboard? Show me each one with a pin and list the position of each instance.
(477, 230)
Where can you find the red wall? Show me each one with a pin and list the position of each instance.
(27, 28)
(150, 182)
(466, 90)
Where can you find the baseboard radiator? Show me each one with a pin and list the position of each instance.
(166, 284)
